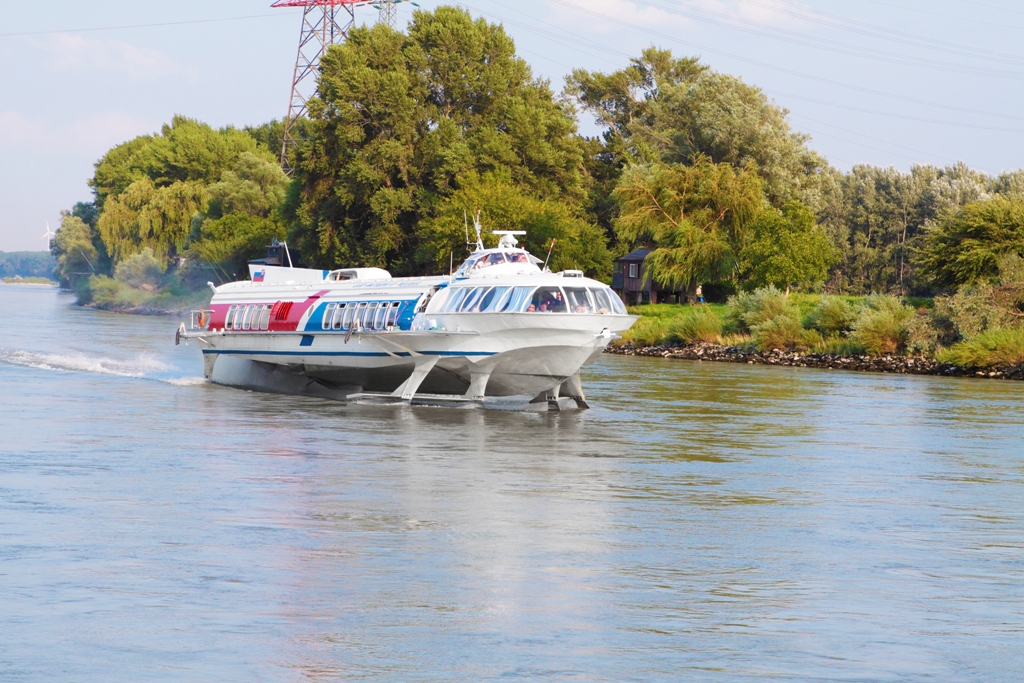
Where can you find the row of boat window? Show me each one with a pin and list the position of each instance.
(252, 317)
(376, 315)
(530, 300)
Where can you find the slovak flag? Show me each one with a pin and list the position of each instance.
(257, 275)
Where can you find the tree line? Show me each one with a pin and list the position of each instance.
(411, 131)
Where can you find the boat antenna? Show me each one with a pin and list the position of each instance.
(476, 224)
(451, 262)
(465, 222)
(550, 249)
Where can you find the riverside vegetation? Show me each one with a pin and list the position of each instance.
(410, 131)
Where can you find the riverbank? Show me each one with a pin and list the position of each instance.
(892, 363)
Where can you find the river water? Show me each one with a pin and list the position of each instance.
(705, 522)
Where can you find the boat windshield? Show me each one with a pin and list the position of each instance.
(547, 300)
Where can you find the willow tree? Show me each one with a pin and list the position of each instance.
(155, 190)
(403, 121)
(965, 246)
(695, 217)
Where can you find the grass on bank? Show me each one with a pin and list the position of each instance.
(768, 319)
(18, 280)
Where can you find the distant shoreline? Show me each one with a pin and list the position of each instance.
(35, 281)
(890, 363)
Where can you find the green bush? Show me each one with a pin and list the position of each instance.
(646, 332)
(811, 339)
(840, 346)
(832, 316)
(140, 271)
(751, 309)
(972, 310)
(998, 347)
(700, 324)
(105, 291)
(923, 335)
(781, 332)
(883, 324)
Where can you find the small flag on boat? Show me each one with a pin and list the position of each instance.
(257, 275)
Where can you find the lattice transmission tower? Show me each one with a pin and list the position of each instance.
(324, 23)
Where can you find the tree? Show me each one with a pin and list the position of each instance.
(402, 122)
(73, 249)
(786, 249)
(579, 244)
(696, 217)
(965, 246)
(155, 191)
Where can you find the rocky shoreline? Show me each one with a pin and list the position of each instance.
(908, 365)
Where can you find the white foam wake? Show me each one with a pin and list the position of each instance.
(140, 366)
(186, 381)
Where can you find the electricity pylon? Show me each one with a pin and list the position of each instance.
(324, 23)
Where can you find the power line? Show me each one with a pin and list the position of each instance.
(797, 38)
(882, 32)
(791, 72)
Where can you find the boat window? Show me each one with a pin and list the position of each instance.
(393, 314)
(328, 313)
(366, 320)
(357, 319)
(350, 312)
(547, 300)
(437, 302)
(578, 299)
(455, 300)
(495, 258)
(265, 317)
(602, 302)
(339, 313)
(246, 315)
(469, 304)
(229, 318)
(517, 257)
(617, 304)
(517, 300)
(382, 311)
(491, 299)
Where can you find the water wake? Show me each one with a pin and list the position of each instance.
(140, 366)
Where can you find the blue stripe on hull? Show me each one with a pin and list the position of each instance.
(348, 353)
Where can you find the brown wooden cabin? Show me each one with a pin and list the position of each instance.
(633, 283)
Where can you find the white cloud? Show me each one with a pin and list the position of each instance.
(69, 52)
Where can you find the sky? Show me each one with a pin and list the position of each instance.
(882, 82)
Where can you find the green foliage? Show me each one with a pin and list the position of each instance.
(402, 122)
(26, 264)
(883, 325)
(746, 311)
(696, 217)
(832, 316)
(229, 242)
(151, 191)
(923, 336)
(964, 248)
(699, 325)
(580, 245)
(140, 271)
(646, 332)
(992, 348)
(780, 332)
(840, 346)
(73, 248)
(786, 249)
(721, 117)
